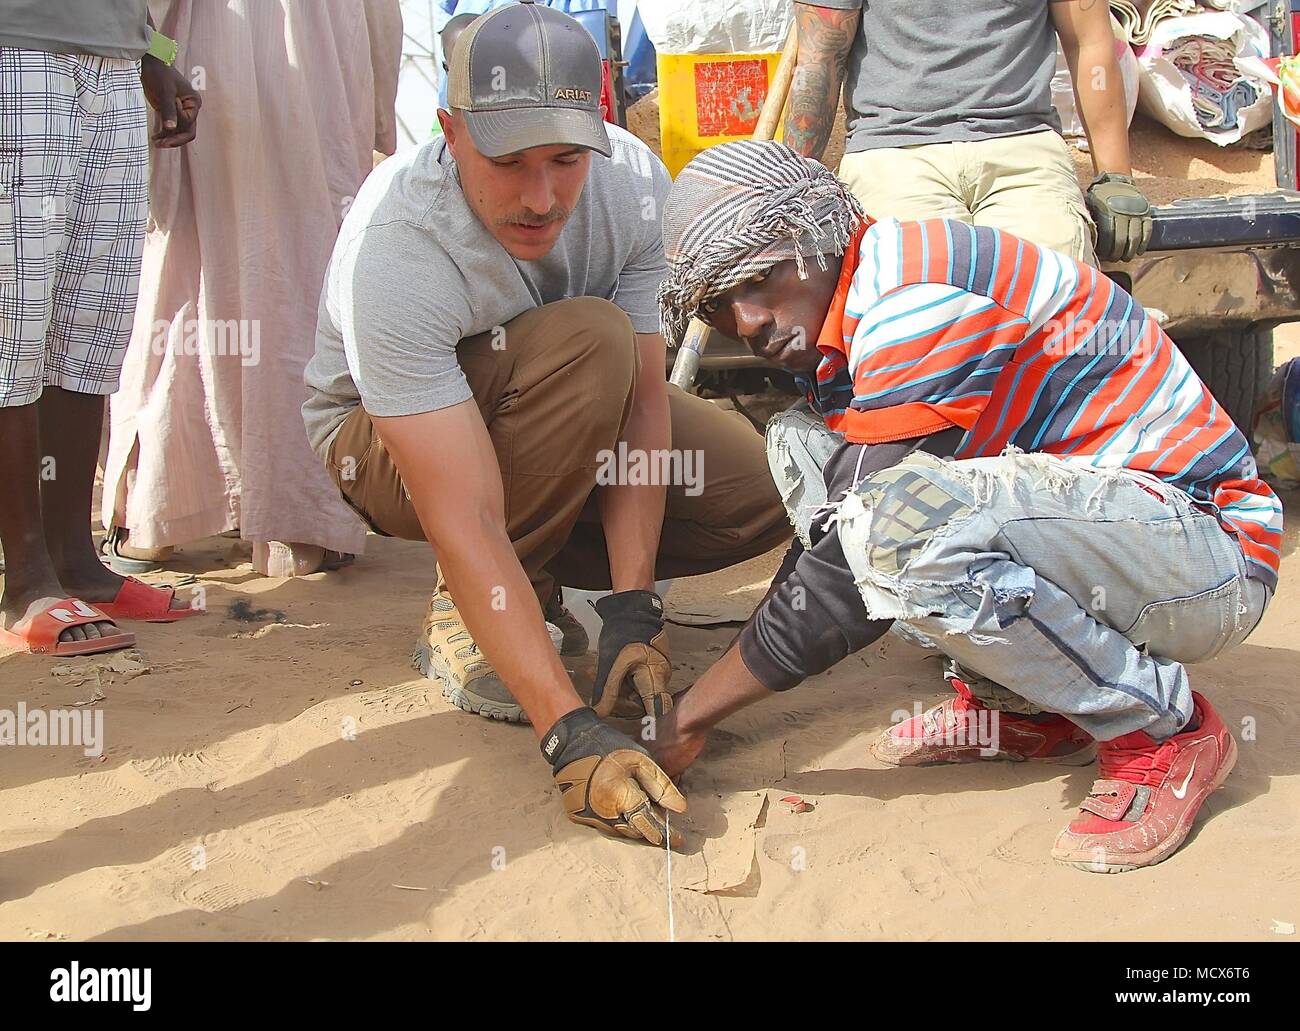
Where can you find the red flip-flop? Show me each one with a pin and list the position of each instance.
(39, 635)
(139, 600)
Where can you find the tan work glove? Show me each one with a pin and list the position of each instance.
(633, 669)
(607, 780)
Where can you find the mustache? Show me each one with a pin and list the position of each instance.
(528, 218)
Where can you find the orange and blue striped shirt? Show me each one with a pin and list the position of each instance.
(939, 323)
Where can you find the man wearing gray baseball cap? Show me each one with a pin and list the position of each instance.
(489, 377)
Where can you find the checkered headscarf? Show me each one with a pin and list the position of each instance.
(739, 208)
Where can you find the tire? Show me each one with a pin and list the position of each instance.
(1236, 363)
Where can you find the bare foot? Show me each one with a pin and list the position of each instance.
(15, 611)
(94, 582)
(278, 558)
(128, 550)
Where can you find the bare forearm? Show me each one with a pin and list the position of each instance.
(726, 687)
(681, 735)
(462, 511)
(1088, 43)
(1099, 91)
(825, 39)
(632, 515)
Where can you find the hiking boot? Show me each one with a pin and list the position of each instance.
(1142, 806)
(575, 641)
(961, 730)
(446, 652)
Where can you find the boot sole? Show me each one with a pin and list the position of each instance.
(1171, 844)
(432, 667)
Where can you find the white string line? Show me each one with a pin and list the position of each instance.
(668, 846)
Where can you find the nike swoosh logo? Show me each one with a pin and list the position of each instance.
(1179, 792)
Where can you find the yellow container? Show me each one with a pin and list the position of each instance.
(705, 99)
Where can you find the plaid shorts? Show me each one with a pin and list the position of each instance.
(74, 197)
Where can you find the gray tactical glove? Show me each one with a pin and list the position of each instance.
(1122, 214)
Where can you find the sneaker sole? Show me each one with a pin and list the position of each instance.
(1084, 757)
(431, 667)
(1170, 845)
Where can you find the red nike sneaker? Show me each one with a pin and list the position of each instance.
(961, 730)
(1143, 804)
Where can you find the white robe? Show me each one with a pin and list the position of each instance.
(206, 429)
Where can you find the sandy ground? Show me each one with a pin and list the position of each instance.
(280, 772)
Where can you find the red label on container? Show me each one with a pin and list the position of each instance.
(729, 96)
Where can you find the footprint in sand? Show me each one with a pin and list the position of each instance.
(197, 767)
(401, 700)
(216, 896)
(1027, 845)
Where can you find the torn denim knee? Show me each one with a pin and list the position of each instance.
(901, 530)
(892, 519)
(798, 447)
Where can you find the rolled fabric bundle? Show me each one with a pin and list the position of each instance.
(1219, 90)
(1192, 77)
(1137, 18)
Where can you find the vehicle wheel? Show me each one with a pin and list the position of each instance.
(1236, 363)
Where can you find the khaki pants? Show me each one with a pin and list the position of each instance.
(1024, 185)
(559, 392)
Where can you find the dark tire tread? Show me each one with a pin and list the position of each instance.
(1236, 363)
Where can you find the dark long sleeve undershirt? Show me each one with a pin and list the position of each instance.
(813, 617)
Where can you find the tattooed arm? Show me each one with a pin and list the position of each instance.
(825, 38)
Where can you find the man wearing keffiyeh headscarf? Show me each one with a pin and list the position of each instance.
(1075, 436)
(736, 211)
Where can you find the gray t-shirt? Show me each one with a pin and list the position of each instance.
(102, 28)
(414, 272)
(941, 71)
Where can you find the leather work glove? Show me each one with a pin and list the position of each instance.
(607, 780)
(633, 670)
(1122, 214)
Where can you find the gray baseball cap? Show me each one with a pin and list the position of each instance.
(527, 76)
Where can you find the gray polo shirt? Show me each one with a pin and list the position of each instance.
(941, 71)
(414, 272)
(101, 28)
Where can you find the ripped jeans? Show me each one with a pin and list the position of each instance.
(1082, 591)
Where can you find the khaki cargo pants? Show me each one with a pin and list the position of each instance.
(553, 398)
(1024, 185)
